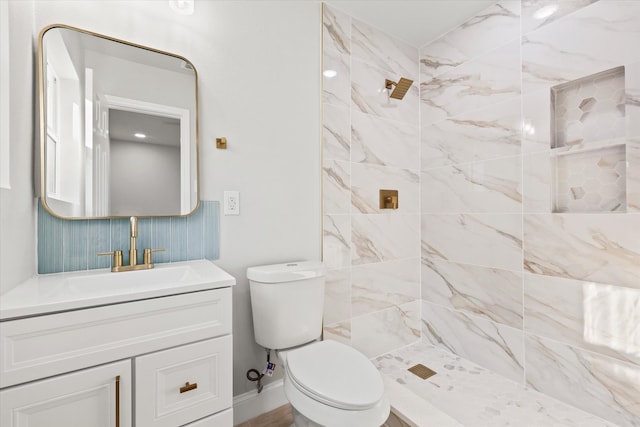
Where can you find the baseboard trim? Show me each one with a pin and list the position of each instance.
(251, 404)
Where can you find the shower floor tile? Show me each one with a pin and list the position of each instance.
(465, 394)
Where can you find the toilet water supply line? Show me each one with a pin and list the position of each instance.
(254, 375)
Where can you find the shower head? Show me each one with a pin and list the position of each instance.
(401, 87)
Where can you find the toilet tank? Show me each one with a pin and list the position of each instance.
(287, 303)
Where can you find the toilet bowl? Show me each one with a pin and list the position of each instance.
(331, 384)
(328, 383)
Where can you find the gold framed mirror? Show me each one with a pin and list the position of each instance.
(118, 127)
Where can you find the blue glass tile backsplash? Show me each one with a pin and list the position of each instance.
(71, 245)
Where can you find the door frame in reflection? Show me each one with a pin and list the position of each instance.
(181, 114)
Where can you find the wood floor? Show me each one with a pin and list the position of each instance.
(279, 417)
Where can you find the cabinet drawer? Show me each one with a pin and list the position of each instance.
(93, 397)
(183, 384)
(221, 419)
(48, 345)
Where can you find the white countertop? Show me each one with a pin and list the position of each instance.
(49, 293)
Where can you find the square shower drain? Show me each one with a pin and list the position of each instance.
(421, 371)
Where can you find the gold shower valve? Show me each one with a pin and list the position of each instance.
(388, 199)
(221, 143)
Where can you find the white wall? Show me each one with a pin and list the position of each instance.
(149, 175)
(17, 219)
(258, 65)
(264, 76)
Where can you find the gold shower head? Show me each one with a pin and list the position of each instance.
(401, 87)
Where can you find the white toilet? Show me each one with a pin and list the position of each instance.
(327, 383)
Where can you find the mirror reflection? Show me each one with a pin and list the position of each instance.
(118, 128)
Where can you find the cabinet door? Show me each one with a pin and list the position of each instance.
(97, 397)
(182, 384)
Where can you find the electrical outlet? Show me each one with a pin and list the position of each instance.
(231, 203)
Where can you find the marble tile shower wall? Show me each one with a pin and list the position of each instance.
(65, 245)
(471, 189)
(551, 300)
(371, 142)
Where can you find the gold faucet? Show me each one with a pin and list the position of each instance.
(147, 261)
(133, 250)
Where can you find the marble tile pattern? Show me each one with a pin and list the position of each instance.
(599, 384)
(339, 331)
(382, 237)
(547, 300)
(383, 51)
(370, 142)
(633, 175)
(489, 344)
(592, 316)
(581, 271)
(336, 180)
(557, 53)
(588, 247)
(337, 304)
(536, 121)
(488, 186)
(383, 285)
(336, 133)
(465, 238)
(72, 245)
(537, 182)
(497, 25)
(336, 31)
(473, 85)
(476, 396)
(336, 79)
(384, 142)
(538, 13)
(336, 248)
(483, 134)
(382, 331)
(490, 293)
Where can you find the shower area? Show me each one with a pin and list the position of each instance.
(514, 242)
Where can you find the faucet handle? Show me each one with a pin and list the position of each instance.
(117, 257)
(146, 255)
(134, 226)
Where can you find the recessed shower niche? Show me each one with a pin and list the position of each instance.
(588, 143)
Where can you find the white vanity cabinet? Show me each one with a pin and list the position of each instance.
(186, 383)
(164, 361)
(94, 397)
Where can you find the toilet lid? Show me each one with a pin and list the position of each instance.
(336, 375)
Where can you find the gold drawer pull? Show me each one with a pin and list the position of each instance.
(187, 387)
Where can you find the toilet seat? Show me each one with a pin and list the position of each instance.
(335, 374)
(324, 396)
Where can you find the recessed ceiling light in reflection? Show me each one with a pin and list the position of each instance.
(140, 135)
(545, 11)
(330, 73)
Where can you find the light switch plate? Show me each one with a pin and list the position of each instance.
(232, 203)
